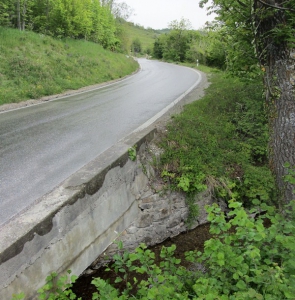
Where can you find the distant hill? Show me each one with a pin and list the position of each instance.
(147, 36)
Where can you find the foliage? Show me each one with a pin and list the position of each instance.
(261, 39)
(58, 288)
(103, 22)
(235, 28)
(136, 46)
(173, 46)
(220, 142)
(132, 153)
(248, 257)
(85, 19)
(181, 44)
(33, 66)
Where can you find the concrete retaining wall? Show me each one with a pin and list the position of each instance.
(71, 226)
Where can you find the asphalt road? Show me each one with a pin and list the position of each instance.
(42, 145)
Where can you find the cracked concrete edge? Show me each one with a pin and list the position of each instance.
(37, 219)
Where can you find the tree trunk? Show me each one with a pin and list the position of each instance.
(278, 61)
(23, 16)
(18, 22)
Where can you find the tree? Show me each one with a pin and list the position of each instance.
(136, 46)
(269, 26)
(40, 15)
(6, 12)
(158, 49)
(174, 45)
(121, 10)
(22, 7)
(178, 40)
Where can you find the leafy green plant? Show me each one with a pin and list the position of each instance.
(248, 258)
(161, 282)
(58, 288)
(20, 296)
(132, 153)
(290, 177)
(193, 210)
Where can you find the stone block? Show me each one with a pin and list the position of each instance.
(160, 204)
(150, 199)
(174, 222)
(132, 229)
(144, 206)
(144, 220)
(161, 214)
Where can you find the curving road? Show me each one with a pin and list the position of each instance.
(42, 145)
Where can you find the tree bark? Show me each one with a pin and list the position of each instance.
(18, 22)
(23, 15)
(278, 61)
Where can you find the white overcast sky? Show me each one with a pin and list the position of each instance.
(157, 14)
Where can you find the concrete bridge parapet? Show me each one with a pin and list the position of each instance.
(68, 228)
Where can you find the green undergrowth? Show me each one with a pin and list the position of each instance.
(220, 143)
(246, 258)
(34, 65)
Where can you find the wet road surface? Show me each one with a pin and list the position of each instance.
(42, 145)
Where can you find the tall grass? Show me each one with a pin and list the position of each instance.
(33, 65)
(220, 142)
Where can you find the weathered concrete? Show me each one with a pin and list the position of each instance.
(69, 227)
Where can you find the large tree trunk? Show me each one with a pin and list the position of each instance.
(278, 61)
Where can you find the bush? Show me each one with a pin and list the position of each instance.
(248, 258)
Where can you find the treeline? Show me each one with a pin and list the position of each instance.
(180, 44)
(91, 20)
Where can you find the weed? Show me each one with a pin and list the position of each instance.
(132, 153)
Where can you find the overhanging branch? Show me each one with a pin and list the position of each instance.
(275, 6)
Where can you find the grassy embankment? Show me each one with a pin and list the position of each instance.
(220, 142)
(33, 65)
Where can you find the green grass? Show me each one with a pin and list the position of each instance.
(220, 142)
(33, 65)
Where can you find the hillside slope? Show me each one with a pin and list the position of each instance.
(33, 65)
(146, 37)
